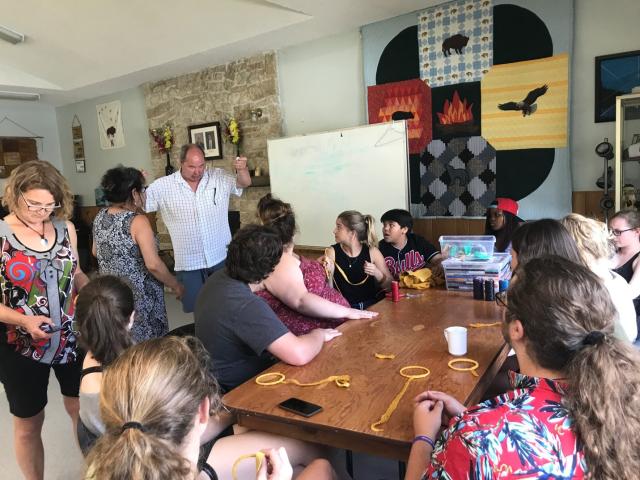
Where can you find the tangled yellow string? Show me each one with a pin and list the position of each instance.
(474, 366)
(343, 381)
(396, 401)
(482, 325)
(259, 459)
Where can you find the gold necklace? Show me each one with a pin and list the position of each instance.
(43, 240)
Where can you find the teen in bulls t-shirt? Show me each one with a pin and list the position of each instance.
(402, 250)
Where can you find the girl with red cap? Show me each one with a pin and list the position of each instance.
(502, 220)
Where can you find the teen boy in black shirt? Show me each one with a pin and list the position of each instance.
(404, 251)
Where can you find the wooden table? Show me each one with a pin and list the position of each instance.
(412, 329)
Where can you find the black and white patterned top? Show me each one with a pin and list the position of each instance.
(119, 255)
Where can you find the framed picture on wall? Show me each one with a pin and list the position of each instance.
(209, 137)
(616, 75)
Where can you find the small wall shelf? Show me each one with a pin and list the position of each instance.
(261, 181)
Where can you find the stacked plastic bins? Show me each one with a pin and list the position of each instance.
(469, 257)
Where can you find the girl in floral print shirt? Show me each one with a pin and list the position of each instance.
(573, 412)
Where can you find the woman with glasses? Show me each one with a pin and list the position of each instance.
(594, 243)
(625, 227)
(573, 410)
(39, 279)
(125, 245)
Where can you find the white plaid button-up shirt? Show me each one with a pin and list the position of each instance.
(197, 221)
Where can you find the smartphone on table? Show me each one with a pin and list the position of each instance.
(300, 407)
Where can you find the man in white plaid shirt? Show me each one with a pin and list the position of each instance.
(194, 204)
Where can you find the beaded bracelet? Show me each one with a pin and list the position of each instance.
(424, 438)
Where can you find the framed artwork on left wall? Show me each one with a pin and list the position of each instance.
(209, 137)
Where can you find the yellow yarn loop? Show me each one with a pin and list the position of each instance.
(396, 401)
(343, 381)
(346, 279)
(472, 368)
(259, 459)
(330, 275)
(260, 380)
(425, 373)
(385, 356)
(482, 325)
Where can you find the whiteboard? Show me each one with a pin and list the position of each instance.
(323, 174)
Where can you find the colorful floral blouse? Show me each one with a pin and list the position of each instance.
(525, 434)
(39, 283)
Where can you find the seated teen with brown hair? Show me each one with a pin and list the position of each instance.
(240, 331)
(104, 315)
(573, 412)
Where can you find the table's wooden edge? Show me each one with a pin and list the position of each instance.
(481, 387)
(355, 441)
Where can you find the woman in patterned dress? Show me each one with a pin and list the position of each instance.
(39, 279)
(125, 245)
(573, 412)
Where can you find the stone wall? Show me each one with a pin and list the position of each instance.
(215, 94)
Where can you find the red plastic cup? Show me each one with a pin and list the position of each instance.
(395, 291)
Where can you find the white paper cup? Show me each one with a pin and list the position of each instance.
(457, 339)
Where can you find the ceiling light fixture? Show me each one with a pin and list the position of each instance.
(10, 36)
(30, 97)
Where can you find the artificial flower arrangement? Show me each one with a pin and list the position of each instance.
(232, 133)
(163, 137)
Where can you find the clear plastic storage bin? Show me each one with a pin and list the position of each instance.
(467, 247)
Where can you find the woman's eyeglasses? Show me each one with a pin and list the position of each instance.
(617, 233)
(501, 298)
(39, 208)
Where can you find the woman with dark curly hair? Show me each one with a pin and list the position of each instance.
(39, 280)
(125, 245)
